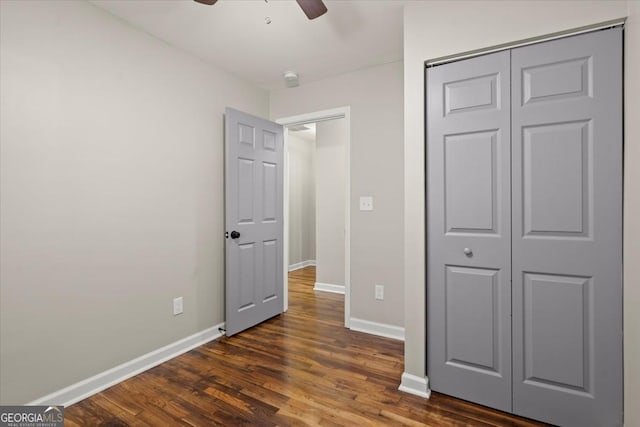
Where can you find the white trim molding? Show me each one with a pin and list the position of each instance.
(526, 42)
(380, 329)
(414, 384)
(302, 264)
(328, 287)
(95, 384)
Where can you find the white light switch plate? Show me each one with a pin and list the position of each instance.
(380, 292)
(366, 203)
(177, 306)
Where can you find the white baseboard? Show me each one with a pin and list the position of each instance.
(380, 329)
(328, 287)
(95, 384)
(415, 385)
(303, 264)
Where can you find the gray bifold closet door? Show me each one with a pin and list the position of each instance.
(524, 169)
(469, 230)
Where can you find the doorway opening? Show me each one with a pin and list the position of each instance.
(321, 141)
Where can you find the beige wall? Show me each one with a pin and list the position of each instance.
(111, 193)
(375, 97)
(632, 218)
(302, 199)
(331, 142)
(428, 34)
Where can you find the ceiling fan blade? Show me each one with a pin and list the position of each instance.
(312, 8)
(207, 2)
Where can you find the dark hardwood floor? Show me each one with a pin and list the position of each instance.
(300, 368)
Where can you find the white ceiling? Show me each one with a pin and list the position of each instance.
(233, 35)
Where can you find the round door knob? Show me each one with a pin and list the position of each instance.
(468, 252)
(235, 234)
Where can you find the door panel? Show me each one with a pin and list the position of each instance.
(270, 272)
(253, 200)
(567, 230)
(469, 185)
(466, 95)
(269, 191)
(247, 276)
(555, 80)
(468, 214)
(471, 335)
(245, 181)
(557, 311)
(555, 179)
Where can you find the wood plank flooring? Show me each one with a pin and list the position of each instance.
(300, 368)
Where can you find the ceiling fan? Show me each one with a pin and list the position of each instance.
(311, 8)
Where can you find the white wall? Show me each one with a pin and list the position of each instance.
(111, 193)
(439, 28)
(331, 142)
(302, 199)
(375, 97)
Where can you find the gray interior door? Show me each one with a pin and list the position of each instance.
(524, 191)
(253, 219)
(567, 230)
(469, 223)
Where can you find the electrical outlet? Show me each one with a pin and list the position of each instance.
(366, 203)
(380, 292)
(177, 306)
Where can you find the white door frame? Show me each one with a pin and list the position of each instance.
(320, 116)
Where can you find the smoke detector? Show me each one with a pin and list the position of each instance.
(291, 79)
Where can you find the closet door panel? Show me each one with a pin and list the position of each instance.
(567, 229)
(468, 214)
